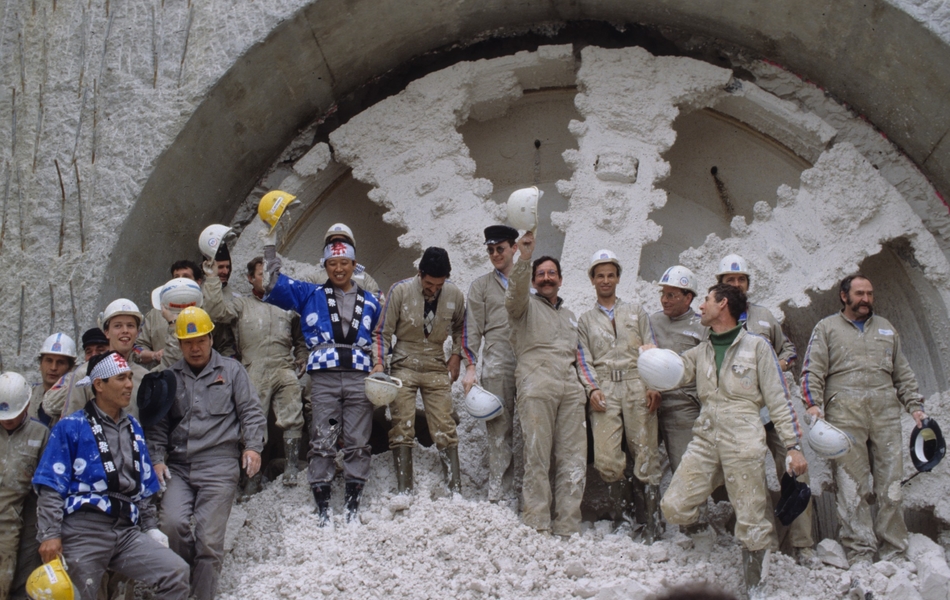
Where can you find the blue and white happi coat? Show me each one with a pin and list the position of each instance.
(72, 466)
(316, 306)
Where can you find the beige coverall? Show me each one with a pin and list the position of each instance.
(65, 398)
(36, 400)
(268, 340)
(728, 444)
(873, 380)
(679, 408)
(612, 347)
(157, 334)
(759, 320)
(419, 361)
(550, 405)
(486, 327)
(20, 451)
(224, 341)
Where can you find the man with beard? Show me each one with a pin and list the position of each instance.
(854, 357)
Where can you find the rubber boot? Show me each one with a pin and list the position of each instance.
(619, 503)
(451, 469)
(292, 466)
(402, 458)
(251, 487)
(321, 495)
(753, 568)
(351, 499)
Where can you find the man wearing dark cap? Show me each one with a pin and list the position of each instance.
(94, 342)
(422, 312)
(486, 328)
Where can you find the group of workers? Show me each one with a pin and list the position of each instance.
(173, 405)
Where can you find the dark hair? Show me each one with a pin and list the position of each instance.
(196, 271)
(252, 265)
(735, 298)
(722, 276)
(543, 259)
(72, 361)
(435, 263)
(845, 286)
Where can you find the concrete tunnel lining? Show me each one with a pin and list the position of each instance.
(323, 57)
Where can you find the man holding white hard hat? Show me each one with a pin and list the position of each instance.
(156, 344)
(611, 335)
(213, 243)
(486, 328)
(736, 374)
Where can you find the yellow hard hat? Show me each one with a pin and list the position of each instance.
(50, 582)
(273, 205)
(193, 322)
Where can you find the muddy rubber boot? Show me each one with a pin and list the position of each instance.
(754, 568)
(252, 486)
(451, 469)
(292, 464)
(402, 458)
(351, 499)
(321, 495)
(654, 525)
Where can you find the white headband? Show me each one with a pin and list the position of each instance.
(339, 250)
(108, 367)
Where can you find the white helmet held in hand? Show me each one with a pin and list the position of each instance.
(733, 263)
(602, 257)
(122, 306)
(211, 238)
(59, 343)
(482, 404)
(679, 276)
(339, 230)
(828, 441)
(14, 395)
(660, 369)
(177, 294)
(381, 389)
(523, 208)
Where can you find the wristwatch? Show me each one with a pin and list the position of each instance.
(795, 447)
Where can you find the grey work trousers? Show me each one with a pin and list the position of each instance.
(28, 555)
(677, 413)
(339, 404)
(94, 542)
(204, 490)
(502, 461)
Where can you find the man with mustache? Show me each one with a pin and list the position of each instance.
(551, 397)
(855, 357)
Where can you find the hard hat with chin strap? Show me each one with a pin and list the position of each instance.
(193, 322)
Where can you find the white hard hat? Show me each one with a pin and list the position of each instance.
(660, 369)
(177, 294)
(59, 343)
(679, 277)
(733, 263)
(211, 238)
(602, 257)
(482, 404)
(122, 306)
(381, 389)
(14, 395)
(339, 229)
(523, 208)
(828, 441)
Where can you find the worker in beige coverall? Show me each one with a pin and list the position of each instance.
(270, 344)
(611, 335)
(855, 357)
(551, 397)
(736, 374)
(156, 345)
(734, 271)
(22, 441)
(486, 327)
(422, 313)
(56, 358)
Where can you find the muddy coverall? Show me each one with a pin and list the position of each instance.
(65, 398)
(873, 381)
(419, 360)
(550, 404)
(224, 340)
(759, 320)
(486, 328)
(216, 415)
(680, 407)
(268, 340)
(20, 451)
(612, 347)
(728, 444)
(158, 334)
(36, 400)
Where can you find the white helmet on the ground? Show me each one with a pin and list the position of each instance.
(482, 404)
(177, 294)
(679, 276)
(59, 343)
(733, 263)
(14, 395)
(523, 208)
(660, 369)
(211, 237)
(602, 257)
(828, 441)
(339, 230)
(381, 389)
(122, 306)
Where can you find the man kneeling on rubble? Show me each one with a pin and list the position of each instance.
(736, 374)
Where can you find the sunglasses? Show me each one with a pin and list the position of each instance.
(497, 249)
